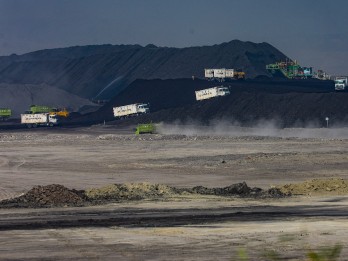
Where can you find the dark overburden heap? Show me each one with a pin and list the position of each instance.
(47, 196)
(100, 72)
(239, 189)
(291, 103)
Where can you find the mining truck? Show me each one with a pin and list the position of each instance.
(145, 128)
(39, 119)
(341, 83)
(212, 92)
(131, 110)
(5, 113)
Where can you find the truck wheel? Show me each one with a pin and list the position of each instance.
(51, 124)
(29, 126)
(34, 125)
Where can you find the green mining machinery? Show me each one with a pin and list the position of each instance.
(40, 109)
(290, 70)
(5, 113)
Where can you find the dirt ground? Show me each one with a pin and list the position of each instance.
(202, 228)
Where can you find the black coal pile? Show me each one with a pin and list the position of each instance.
(47, 196)
(290, 102)
(100, 72)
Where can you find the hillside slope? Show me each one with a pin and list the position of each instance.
(20, 97)
(100, 72)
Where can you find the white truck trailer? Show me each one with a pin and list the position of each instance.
(39, 119)
(223, 74)
(212, 92)
(131, 110)
(341, 83)
(219, 73)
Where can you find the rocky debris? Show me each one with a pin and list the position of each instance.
(59, 196)
(277, 193)
(47, 196)
(333, 186)
(173, 137)
(129, 191)
(241, 190)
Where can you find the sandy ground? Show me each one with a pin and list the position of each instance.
(92, 157)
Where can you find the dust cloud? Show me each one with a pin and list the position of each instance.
(261, 128)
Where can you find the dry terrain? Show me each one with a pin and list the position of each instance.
(186, 227)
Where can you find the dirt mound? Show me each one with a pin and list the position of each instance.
(240, 189)
(333, 186)
(47, 196)
(129, 191)
(60, 196)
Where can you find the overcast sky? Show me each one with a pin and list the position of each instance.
(314, 32)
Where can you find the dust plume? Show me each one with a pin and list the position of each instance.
(269, 128)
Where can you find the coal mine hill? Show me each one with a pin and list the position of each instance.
(102, 71)
(289, 102)
(162, 77)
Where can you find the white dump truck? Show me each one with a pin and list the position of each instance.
(39, 119)
(212, 92)
(131, 110)
(341, 83)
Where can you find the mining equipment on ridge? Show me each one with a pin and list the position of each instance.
(290, 69)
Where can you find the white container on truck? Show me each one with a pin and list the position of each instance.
(39, 119)
(221, 74)
(341, 83)
(212, 92)
(131, 110)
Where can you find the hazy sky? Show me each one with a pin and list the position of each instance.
(315, 32)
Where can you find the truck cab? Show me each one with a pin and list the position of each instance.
(143, 108)
(223, 91)
(340, 83)
(52, 120)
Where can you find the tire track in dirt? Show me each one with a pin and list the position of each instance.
(12, 166)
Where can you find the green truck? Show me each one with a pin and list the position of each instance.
(40, 109)
(145, 128)
(5, 113)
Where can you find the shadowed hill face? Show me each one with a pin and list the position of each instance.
(101, 72)
(20, 97)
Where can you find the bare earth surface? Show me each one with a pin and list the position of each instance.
(184, 228)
